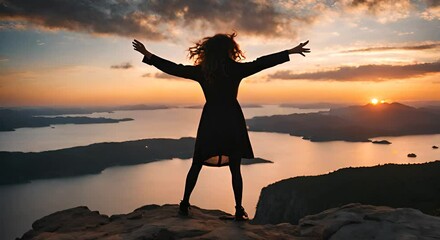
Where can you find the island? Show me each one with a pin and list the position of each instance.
(353, 124)
(386, 142)
(393, 185)
(21, 167)
(13, 119)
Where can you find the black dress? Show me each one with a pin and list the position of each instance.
(222, 133)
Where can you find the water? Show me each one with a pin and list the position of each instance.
(122, 189)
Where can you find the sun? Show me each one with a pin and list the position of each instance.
(374, 101)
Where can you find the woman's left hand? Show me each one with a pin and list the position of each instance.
(300, 49)
(138, 46)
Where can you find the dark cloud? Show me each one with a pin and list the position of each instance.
(374, 73)
(126, 65)
(388, 48)
(432, 3)
(102, 17)
(152, 19)
(159, 19)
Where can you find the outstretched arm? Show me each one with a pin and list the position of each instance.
(271, 60)
(166, 66)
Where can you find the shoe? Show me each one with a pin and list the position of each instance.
(183, 208)
(240, 214)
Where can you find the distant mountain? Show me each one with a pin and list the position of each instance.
(422, 104)
(394, 117)
(249, 105)
(46, 111)
(353, 123)
(313, 105)
(13, 119)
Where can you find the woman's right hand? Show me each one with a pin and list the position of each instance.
(300, 49)
(138, 46)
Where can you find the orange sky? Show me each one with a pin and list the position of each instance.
(358, 53)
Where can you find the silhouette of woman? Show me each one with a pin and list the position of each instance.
(222, 137)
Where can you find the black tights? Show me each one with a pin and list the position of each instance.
(237, 181)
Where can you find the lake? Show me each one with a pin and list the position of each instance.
(122, 189)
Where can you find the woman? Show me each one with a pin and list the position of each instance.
(222, 137)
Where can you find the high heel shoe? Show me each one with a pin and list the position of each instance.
(240, 214)
(183, 208)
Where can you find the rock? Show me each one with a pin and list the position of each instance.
(78, 219)
(395, 185)
(152, 222)
(352, 221)
(356, 221)
(411, 155)
(434, 147)
(381, 142)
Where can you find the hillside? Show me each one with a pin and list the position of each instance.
(354, 123)
(407, 185)
(18, 167)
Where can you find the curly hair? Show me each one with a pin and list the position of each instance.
(212, 52)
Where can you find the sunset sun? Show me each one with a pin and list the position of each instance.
(374, 101)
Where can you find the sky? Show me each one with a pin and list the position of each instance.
(79, 53)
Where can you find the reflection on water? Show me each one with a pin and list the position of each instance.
(122, 189)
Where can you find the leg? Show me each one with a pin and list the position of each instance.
(237, 181)
(237, 185)
(191, 180)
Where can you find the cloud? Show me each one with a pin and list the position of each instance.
(432, 11)
(3, 58)
(150, 19)
(375, 73)
(383, 10)
(426, 46)
(100, 17)
(161, 19)
(162, 75)
(126, 65)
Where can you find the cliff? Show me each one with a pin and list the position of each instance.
(410, 185)
(352, 221)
